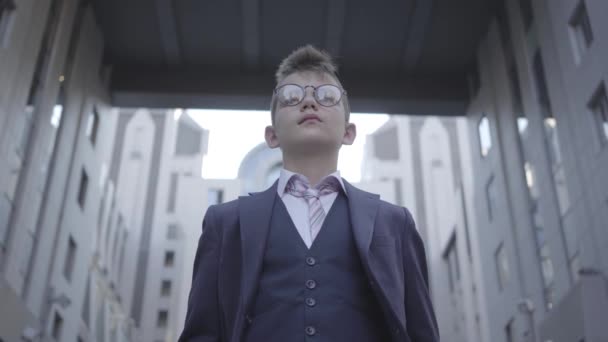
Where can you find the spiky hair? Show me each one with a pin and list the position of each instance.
(303, 59)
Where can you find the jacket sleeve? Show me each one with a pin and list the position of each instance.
(203, 315)
(421, 321)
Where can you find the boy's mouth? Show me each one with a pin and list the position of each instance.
(308, 117)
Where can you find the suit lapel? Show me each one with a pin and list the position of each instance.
(254, 217)
(363, 211)
(363, 208)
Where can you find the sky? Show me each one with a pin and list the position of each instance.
(232, 134)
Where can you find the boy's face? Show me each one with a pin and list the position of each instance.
(309, 127)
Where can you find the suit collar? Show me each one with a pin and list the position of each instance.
(363, 207)
(286, 175)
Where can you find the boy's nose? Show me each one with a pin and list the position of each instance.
(309, 100)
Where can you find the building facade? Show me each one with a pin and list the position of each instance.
(538, 117)
(425, 160)
(55, 136)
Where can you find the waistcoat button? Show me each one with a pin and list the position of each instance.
(310, 261)
(311, 302)
(311, 284)
(310, 330)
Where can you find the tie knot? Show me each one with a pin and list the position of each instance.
(298, 186)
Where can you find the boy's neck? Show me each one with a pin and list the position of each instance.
(313, 167)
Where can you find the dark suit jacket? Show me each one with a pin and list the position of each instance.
(228, 264)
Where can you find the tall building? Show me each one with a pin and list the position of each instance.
(156, 166)
(538, 115)
(426, 161)
(56, 132)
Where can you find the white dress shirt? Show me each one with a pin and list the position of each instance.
(297, 207)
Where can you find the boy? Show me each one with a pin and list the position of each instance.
(312, 258)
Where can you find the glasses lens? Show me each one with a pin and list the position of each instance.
(290, 94)
(328, 95)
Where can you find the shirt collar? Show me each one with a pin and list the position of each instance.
(286, 176)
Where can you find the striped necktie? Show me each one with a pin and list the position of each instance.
(299, 187)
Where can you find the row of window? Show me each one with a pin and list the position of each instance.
(166, 286)
(598, 109)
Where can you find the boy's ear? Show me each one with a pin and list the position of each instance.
(350, 133)
(271, 137)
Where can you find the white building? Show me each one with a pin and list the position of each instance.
(426, 162)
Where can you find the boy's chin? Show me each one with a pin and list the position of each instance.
(310, 146)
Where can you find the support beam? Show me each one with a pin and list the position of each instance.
(250, 13)
(430, 95)
(420, 21)
(336, 11)
(168, 31)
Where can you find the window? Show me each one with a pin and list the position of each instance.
(485, 136)
(172, 193)
(93, 126)
(121, 259)
(173, 231)
(580, 31)
(57, 327)
(162, 319)
(7, 8)
(70, 258)
(82, 188)
(502, 266)
(451, 259)
(509, 332)
(165, 288)
(599, 109)
(527, 13)
(169, 258)
(491, 198)
(215, 196)
(575, 266)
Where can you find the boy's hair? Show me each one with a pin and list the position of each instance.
(307, 58)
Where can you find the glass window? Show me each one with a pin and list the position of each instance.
(485, 136)
(491, 198)
(70, 259)
(509, 332)
(93, 126)
(162, 319)
(580, 31)
(169, 258)
(57, 326)
(172, 192)
(502, 266)
(165, 288)
(451, 259)
(82, 188)
(599, 109)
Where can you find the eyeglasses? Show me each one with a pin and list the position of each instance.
(326, 95)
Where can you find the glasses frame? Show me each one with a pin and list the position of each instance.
(314, 93)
